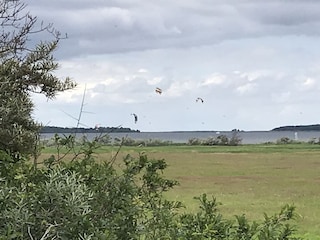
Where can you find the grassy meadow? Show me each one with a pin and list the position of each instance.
(249, 179)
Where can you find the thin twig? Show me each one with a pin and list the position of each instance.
(113, 159)
(47, 231)
(30, 233)
(82, 104)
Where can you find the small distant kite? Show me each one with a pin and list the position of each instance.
(199, 99)
(135, 117)
(158, 90)
(97, 126)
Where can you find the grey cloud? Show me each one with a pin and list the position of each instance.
(189, 41)
(286, 13)
(99, 27)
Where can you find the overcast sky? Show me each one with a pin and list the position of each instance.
(256, 64)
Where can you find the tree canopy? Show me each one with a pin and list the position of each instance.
(26, 66)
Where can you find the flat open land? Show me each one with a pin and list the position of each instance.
(249, 179)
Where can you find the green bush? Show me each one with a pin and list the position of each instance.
(284, 140)
(84, 199)
(138, 142)
(221, 140)
(194, 141)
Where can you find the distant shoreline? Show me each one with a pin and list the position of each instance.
(53, 129)
(313, 127)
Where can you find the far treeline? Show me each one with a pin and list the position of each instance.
(51, 129)
(314, 127)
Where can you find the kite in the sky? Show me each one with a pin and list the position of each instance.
(200, 99)
(158, 90)
(135, 117)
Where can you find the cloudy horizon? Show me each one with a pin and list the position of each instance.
(255, 64)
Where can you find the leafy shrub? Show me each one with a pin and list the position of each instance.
(221, 140)
(235, 139)
(194, 141)
(284, 140)
(132, 142)
(314, 141)
(209, 141)
(84, 199)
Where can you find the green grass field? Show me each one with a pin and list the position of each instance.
(249, 179)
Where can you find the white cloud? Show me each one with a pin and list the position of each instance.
(177, 89)
(254, 75)
(142, 70)
(309, 82)
(154, 80)
(215, 79)
(247, 59)
(109, 81)
(246, 88)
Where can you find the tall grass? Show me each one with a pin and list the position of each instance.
(249, 179)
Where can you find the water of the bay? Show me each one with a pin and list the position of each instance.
(248, 137)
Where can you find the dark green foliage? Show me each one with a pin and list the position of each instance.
(208, 223)
(243, 230)
(276, 227)
(83, 199)
(24, 69)
(18, 131)
(312, 127)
